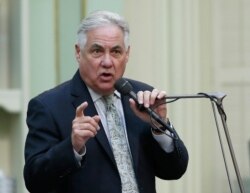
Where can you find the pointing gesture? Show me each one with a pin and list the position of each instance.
(83, 127)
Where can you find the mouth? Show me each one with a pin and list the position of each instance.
(106, 76)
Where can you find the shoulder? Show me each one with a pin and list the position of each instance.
(54, 97)
(55, 92)
(61, 91)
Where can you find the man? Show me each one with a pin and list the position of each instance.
(71, 144)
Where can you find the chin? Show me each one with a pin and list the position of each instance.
(105, 90)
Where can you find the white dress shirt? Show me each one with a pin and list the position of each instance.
(164, 141)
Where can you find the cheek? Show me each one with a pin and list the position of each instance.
(120, 69)
(89, 68)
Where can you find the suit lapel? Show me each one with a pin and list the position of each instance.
(81, 94)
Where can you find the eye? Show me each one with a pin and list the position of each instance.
(96, 52)
(116, 52)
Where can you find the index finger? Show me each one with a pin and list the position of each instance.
(80, 109)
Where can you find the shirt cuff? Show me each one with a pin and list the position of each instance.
(164, 141)
(79, 156)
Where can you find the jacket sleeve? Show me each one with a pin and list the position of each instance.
(45, 164)
(171, 165)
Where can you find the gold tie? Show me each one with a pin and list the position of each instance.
(120, 147)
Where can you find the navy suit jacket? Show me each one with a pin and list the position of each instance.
(50, 163)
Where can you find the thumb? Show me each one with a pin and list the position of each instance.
(141, 114)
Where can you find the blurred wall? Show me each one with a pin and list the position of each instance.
(183, 47)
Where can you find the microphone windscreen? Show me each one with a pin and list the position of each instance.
(123, 86)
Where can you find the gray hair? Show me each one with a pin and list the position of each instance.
(99, 19)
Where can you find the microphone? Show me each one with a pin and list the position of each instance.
(125, 88)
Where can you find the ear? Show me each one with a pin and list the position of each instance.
(77, 52)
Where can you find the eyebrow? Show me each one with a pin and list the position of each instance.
(95, 45)
(116, 47)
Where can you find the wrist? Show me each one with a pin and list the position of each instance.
(160, 129)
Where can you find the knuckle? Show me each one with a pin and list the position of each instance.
(155, 90)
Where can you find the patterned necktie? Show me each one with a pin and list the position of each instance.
(120, 147)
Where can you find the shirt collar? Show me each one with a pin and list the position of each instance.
(95, 96)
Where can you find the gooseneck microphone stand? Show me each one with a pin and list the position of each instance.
(124, 87)
(216, 99)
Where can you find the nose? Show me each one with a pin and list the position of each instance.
(107, 60)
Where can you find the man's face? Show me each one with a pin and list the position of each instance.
(103, 59)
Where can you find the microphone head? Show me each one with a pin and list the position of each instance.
(123, 86)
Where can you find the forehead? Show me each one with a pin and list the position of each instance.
(106, 35)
